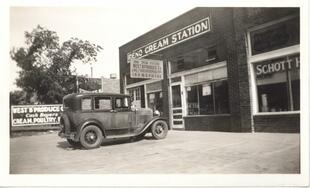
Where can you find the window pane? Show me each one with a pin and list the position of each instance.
(278, 86)
(275, 37)
(86, 104)
(176, 96)
(138, 94)
(221, 97)
(272, 91)
(103, 103)
(273, 97)
(205, 99)
(131, 93)
(122, 102)
(295, 80)
(118, 103)
(126, 102)
(192, 100)
(155, 101)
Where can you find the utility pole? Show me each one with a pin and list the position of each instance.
(77, 80)
(91, 70)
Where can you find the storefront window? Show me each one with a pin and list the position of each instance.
(208, 98)
(155, 101)
(274, 37)
(278, 84)
(195, 58)
(206, 102)
(137, 98)
(221, 97)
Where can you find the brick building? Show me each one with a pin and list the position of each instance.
(224, 69)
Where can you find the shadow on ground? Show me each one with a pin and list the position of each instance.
(108, 142)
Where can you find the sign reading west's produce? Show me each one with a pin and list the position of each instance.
(25, 115)
(193, 30)
(146, 68)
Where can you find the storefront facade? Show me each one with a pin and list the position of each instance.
(224, 69)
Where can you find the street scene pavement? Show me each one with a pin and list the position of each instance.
(181, 152)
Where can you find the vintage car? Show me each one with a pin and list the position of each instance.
(88, 118)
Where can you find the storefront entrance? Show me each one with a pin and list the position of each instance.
(176, 106)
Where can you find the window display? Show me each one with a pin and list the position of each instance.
(278, 84)
(208, 98)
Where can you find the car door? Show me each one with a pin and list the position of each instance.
(122, 116)
(103, 112)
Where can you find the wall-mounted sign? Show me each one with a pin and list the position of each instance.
(188, 32)
(26, 115)
(146, 68)
(277, 65)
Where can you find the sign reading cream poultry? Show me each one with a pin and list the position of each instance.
(198, 28)
(146, 68)
(25, 115)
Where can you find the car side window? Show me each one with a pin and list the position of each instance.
(86, 104)
(122, 103)
(103, 103)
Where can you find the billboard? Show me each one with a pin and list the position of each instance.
(26, 115)
(146, 68)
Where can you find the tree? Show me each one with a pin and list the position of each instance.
(89, 84)
(18, 97)
(45, 64)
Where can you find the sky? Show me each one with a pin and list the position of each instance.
(107, 26)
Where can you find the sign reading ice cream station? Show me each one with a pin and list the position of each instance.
(198, 28)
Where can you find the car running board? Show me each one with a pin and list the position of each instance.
(121, 136)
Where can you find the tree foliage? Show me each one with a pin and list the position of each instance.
(45, 64)
(18, 97)
(89, 84)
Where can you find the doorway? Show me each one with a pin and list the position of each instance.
(176, 106)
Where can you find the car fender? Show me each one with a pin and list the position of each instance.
(150, 123)
(89, 122)
(66, 122)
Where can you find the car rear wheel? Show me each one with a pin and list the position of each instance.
(73, 143)
(159, 129)
(91, 137)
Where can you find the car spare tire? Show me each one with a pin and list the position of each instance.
(91, 137)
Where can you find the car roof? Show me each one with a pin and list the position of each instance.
(78, 95)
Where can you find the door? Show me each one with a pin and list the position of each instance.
(176, 106)
(103, 111)
(121, 116)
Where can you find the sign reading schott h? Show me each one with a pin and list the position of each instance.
(26, 115)
(146, 68)
(188, 32)
(277, 65)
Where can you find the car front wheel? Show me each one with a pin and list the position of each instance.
(159, 129)
(91, 137)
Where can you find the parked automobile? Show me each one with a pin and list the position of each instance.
(88, 118)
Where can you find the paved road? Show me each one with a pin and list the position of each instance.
(180, 152)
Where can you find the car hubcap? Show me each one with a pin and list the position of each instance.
(159, 130)
(91, 137)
